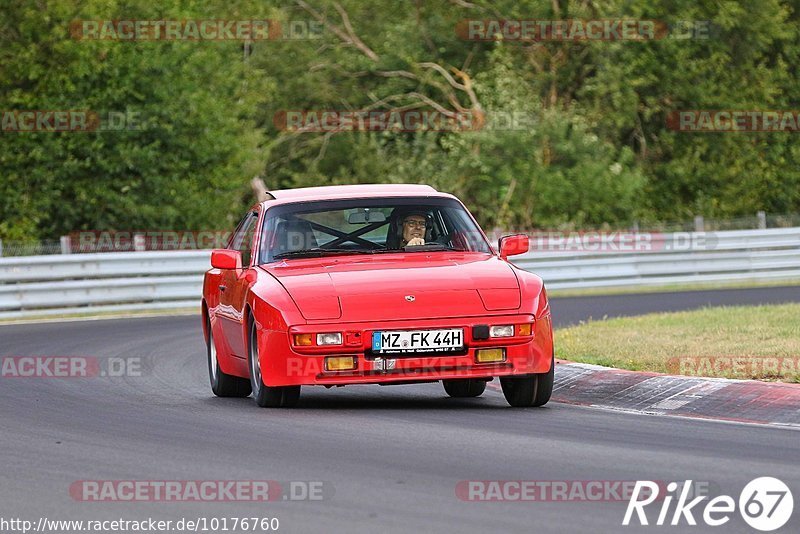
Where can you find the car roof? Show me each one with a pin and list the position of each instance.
(338, 192)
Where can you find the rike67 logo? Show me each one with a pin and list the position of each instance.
(765, 504)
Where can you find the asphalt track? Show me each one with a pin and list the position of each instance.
(390, 457)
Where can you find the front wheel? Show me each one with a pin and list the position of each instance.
(266, 396)
(529, 390)
(222, 384)
(464, 387)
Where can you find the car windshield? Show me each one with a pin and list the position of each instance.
(369, 226)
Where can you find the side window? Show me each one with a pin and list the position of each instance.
(243, 238)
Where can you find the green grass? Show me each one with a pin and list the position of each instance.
(760, 342)
(622, 290)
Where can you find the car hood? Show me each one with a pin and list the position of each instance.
(400, 286)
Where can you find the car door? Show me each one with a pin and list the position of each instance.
(234, 284)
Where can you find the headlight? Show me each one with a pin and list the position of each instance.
(506, 330)
(334, 338)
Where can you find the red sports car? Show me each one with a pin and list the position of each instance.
(372, 284)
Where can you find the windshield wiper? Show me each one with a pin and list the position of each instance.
(431, 247)
(428, 247)
(316, 252)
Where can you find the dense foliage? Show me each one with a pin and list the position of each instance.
(597, 150)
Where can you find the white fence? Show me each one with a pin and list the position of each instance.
(57, 284)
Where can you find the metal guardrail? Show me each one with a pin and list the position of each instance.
(120, 281)
(58, 284)
(742, 255)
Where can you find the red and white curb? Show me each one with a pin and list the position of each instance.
(743, 401)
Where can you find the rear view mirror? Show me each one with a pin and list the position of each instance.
(224, 258)
(365, 216)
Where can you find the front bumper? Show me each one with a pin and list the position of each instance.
(284, 365)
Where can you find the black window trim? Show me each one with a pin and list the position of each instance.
(344, 203)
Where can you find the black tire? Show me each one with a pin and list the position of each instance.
(222, 384)
(529, 390)
(464, 387)
(266, 396)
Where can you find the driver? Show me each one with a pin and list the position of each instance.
(413, 228)
(408, 227)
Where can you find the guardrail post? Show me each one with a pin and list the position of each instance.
(66, 245)
(699, 224)
(762, 220)
(1, 248)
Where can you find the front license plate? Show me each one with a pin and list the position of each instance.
(401, 341)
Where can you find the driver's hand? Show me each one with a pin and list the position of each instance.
(415, 242)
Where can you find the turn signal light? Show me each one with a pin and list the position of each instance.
(303, 340)
(340, 363)
(490, 355)
(524, 329)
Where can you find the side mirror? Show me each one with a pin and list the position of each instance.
(223, 258)
(512, 245)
